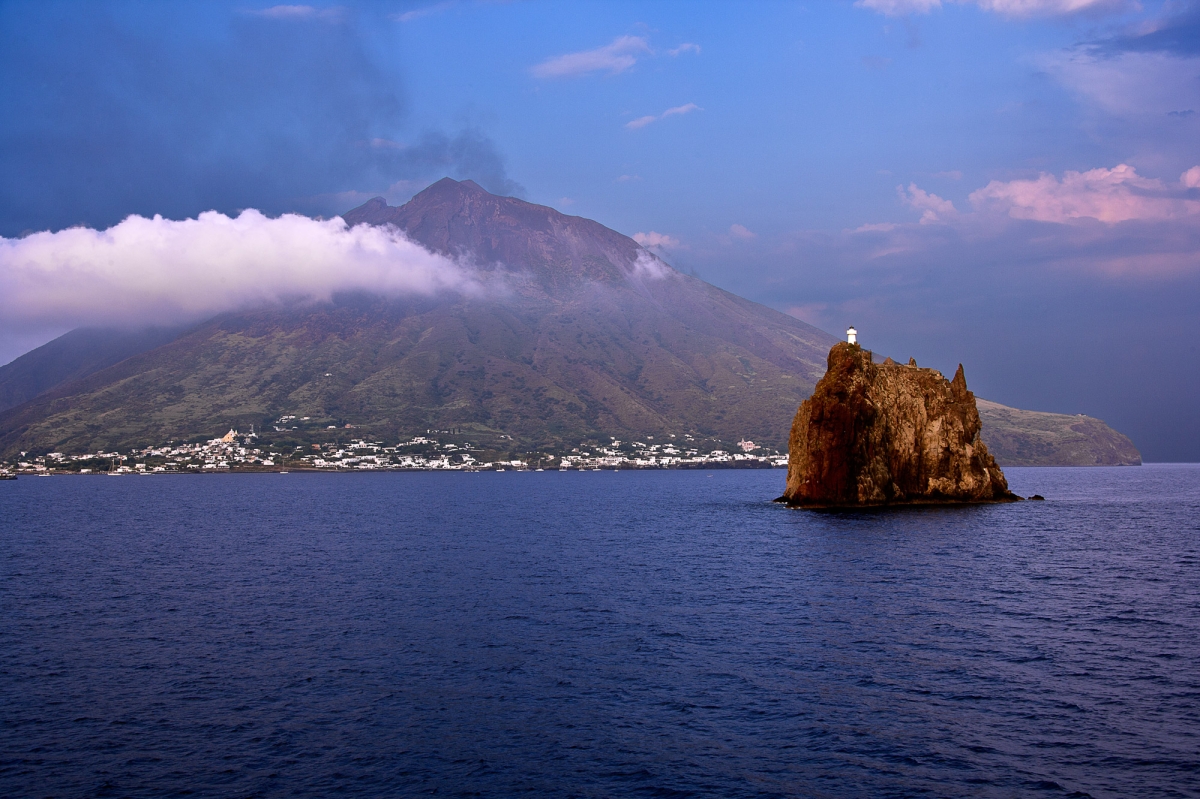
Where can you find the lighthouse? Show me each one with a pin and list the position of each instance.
(851, 335)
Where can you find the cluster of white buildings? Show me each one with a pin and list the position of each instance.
(235, 451)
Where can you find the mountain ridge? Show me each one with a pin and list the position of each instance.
(594, 336)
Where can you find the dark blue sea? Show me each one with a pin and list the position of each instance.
(662, 634)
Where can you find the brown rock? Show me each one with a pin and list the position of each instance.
(885, 434)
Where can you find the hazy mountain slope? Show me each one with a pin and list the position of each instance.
(1032, 438)
(71, 356)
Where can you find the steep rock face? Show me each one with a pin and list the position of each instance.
(889, 434)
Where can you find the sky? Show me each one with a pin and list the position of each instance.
(1009, 184)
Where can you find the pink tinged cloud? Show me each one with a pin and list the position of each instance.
(1108, 195)
(932, 207)
(742, 232)
(654, 240)
(300, 12)
(155, 271)
(613, 58)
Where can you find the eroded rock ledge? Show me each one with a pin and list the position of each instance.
(889, 434)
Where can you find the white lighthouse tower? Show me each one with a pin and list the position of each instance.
(851, 335)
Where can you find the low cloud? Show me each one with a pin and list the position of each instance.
(1112, 195)
(653, 240)
(686, 47)
(1008, 8)
(742, 232)
(161, 271)
(614, 58)
(642, 122)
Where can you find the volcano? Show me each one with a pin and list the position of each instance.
(588, 335)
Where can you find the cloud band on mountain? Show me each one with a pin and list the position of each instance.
(161, 271)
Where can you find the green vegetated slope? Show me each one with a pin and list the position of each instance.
(1032, 438)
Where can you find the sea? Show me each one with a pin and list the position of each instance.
(596, 634)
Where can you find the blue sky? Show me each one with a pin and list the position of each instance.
(1003, 183)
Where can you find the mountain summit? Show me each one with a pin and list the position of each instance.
(461, 219)
(588, 335)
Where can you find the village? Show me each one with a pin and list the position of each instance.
(236, 452)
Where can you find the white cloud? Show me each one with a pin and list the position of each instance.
(629, 178)
(147, 271)
(742, 232)
(642, 122)
(1112, 195)
(1008, 8)
(934, 208)
(686, 47)
(417, 13)
(613, 58)
(653, 240)
(680, 109)
(896, 8)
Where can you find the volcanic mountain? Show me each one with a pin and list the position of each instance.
(586, 335)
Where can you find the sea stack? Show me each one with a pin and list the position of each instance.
(889, 434)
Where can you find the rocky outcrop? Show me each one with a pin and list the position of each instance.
(889, 434)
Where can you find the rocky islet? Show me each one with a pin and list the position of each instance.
(889, 434)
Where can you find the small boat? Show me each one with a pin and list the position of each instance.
(8, 477)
